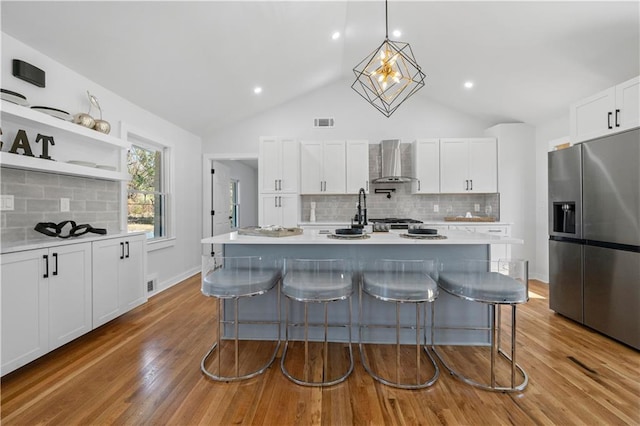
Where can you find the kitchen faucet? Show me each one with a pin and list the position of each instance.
(362, 213)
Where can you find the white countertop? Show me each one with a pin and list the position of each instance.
(377, 238)
(429, 222)
(47, 242)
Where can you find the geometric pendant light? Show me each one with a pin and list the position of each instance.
(389, 75)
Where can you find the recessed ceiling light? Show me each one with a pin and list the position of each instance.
(397, 33)
(257, 90)
(335, 35)
(468, 84)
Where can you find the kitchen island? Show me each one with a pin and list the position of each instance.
(450, 311)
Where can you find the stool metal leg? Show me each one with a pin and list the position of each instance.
(494, 328)
(419, 345)
(306, 381)
(218, 344)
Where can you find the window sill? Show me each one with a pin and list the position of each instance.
(160, 244)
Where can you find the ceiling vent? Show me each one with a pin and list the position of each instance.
(323, 122)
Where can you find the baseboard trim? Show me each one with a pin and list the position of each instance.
(540, 277)
(166, 284)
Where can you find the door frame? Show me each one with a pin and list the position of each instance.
(207, 160)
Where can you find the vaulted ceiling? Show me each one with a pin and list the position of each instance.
(196, 63)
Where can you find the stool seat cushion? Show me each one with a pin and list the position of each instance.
(487, 287)
(239, 282)
(400, 287)
(314, 286)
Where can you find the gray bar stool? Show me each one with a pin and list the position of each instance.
(402, 282)
(316, 281)
(495, 283)
(231, 279)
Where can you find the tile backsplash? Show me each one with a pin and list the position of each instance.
(402, 204)
(37, 199)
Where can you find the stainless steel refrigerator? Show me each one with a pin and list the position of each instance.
(594, 241)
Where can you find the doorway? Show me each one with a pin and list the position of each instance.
(230, 193)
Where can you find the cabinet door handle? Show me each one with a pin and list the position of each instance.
(471, 181)
(46, 266)
(55, 271)
(367, 185)
(617, 114)
(279, 201)
(418, 185)
(127, 244)
(280, 184)
(609, 120)
(121, 250)
(275, 184)
(494, 230)
(275, 201)
(466, 182)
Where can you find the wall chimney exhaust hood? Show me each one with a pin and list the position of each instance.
(390, 160)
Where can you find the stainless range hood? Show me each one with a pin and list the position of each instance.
(390, 160)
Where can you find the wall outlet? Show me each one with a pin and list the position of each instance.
(436, 208)
(476, 207)
(64, 205)
(6, 202)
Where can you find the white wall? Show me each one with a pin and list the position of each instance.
(354, 119)
(546, 132)
(65, 89)
(517, 185)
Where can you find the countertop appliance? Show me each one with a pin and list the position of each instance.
(594, 235)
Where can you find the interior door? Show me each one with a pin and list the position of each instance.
(220, 202)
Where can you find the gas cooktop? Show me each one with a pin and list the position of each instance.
(396, 223)
(394, 220)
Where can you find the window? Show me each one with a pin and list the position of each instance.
(234, 204)
(147, 193)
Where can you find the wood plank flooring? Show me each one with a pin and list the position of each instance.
(144, 368)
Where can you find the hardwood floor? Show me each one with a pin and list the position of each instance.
(144, 368)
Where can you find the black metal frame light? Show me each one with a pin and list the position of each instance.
(389, 75)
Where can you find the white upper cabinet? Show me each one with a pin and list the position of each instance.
(279, 209)
(468, 165)
(322, 167)
(357, 166)
(610, 111)
(278, 165)
(76, 150)
(426, 166)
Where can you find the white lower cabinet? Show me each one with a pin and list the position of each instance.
(25, 308)
(118, 277)
(53, 295)
(69, 293)
(498, 251)
(46, 301)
